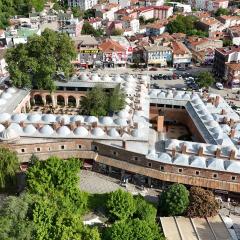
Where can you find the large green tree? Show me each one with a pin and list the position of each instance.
(120, 205)
(221, 11)
(116, 99)
(174, 201)
(202, 203)
(37, 62)
(9, 165)
(205, 79)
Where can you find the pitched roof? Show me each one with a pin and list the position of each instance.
(179, 48)
(111, 46)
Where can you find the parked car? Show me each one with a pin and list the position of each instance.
(219, 86)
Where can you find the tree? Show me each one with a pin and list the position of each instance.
(117, 32)
(174, 201)
(141, 20)
(87, 29)
(95, 102)
(77, 12)
(120, 205)
(144, 210)
(9, 164)
(116, 99)
(202, 203)
(90, 13)
(37, 62)
(221, 11)
(205, 79)
(227, 42)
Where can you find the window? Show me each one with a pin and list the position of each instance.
(95, 148)
(38, 149)
(49, 149)
(114, 153)
(197, 173)
(234, 178)
(62, 147)
(162, 168)
(180, 170)
(149, 164)
(215, 175)
(135, 158)
(79, 146)
(22, 150)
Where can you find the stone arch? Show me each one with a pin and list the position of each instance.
(49, 99)
(72, 101)
(60, 100)
(38, 99)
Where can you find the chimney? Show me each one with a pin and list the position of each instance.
(55, 126)
(223, 112)
(232, 155)
(200, 151)
(225, 120)
(72, 126)
(232, 133)
(124, 146)
(231, 123)
(94, 124)
(217, 100)
(173, 152)
(218, 152)
(78, 123)
(184, 149)
(22, 124)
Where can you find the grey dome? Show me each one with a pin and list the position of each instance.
(123, 114)
(186, 96)
(137, 133)
(64, 118)
(77, 118)
(232, 166)
(34, 117)
(106, 120)
(161, 94)
(16, 127)
(46, 130)
(121, 122)
(97, 132)
(4, 116)
(91, 119)
(11, 90)
(84, 77)
(2, 128)
(2, 101)
(215, 164)
(29, 129)
(164, 157)
(19, 117)
(63, 131)
(9, 134)
(96, 78)
(198, 162)
(81, 131)
(113, 132)
(6, 95)
(49, 118)
(181, 159)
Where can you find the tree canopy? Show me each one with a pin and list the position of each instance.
(37, 62)
(205, 79)
(221, 11)
(202, 203)
(98, 103)
(88, 29)
(9, 165)
(174, 201)
(117, 32)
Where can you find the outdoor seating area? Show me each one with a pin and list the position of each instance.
(47, 109)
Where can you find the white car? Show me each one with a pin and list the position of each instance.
(219, 86)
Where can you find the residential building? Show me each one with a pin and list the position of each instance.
(83, 4)
(3, 41)
(95, 22)
(122, 3)
(234, 33)
(208, 5)
(203, 49)
(146, 12)
(155, 55)
(180, 7)
(146, 3)
(114, 54)
(229, 21)
(232, 75)
(155, 29)
(182, 56)
(88, 53)
(222, 57)
(106, 11)
(131, 23)
(163, 12)
(113, 25)
(3, 64)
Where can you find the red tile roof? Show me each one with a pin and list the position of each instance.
(111, 46)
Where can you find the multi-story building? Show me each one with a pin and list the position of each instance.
(122, 3)
(229, 21)
(223, 56)
(83, 4)
(208, 5)
(106, 11)
(157, 55)
(232, 75)
(155, 29)
(3, 64)
(158, 12)
(234, 33)
(182, 56)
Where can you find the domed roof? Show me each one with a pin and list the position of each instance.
(164, 157)
(81, 131)
(16, 127)
(186, 96)
(226, 128)
(4, 116)
(201, 112)
(63, 131)
(171, 143)
(49, 118)
(154, 92)
(77, 118)
(137, 133)
(29, 129)
(212, 123)
(11, 90)
(194, 96)
(215, 164)
(161, 94)
(129, 78)
(34, 117)
(196, 161)
(128, 100)
(139, 113)
(197, 100)
(46, 130)
(123, 114)
(207, 117)
(181, 159)
(91, 119)
(113, 132)
(215, 130)
(97, 132)
(169, 94)
(6, 95)
(117, 78)
(84, 77)
(2, 128)
(18, 117)
(212, 148)
(63, 118)
(227, 150)
(106, 120)
(2, 101)
(9, 134)
(96, 78)
(232, 166)
(121, 121)
(178, 95)
(106, 78)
